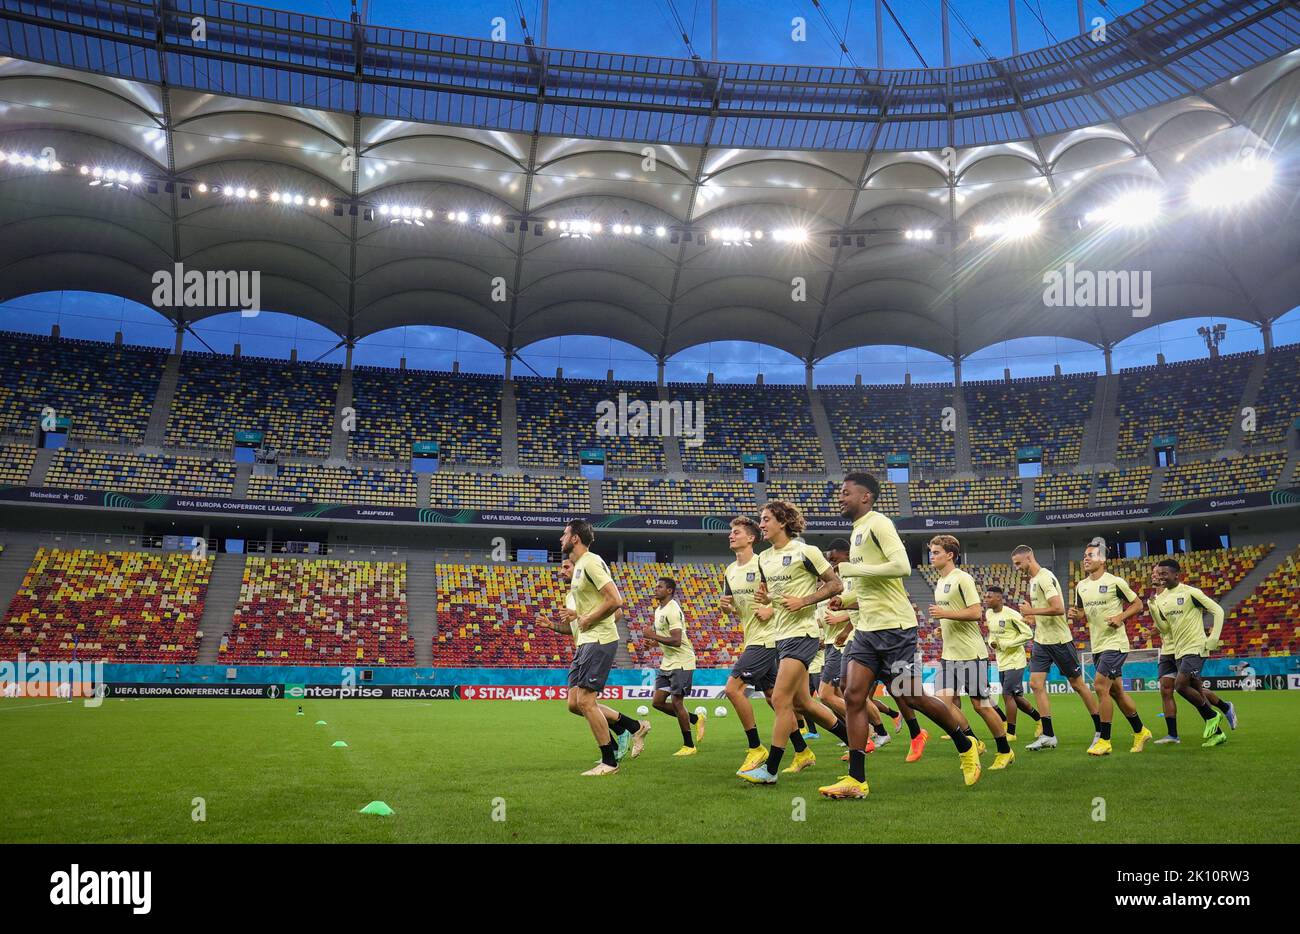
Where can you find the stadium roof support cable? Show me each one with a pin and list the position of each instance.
(894, 17)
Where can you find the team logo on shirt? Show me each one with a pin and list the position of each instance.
(1102, 589)
(577, 575)
(749, 577)
(1180, 601)
(857, 539)
(785, 561)
(947, 587)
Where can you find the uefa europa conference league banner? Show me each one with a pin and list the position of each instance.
(520, 519)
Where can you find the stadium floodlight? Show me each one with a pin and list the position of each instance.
(85, 170)
(297, 200)
(919, 233)
(275, 195)
(462, 216)
(661, 231)
(1015, 227)
(1233, 183)
(1135, 209)
(637, 229)
(228, 191)
(550, 225)
(252, 194)
(790, 235)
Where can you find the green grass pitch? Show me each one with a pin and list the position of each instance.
(130, 770)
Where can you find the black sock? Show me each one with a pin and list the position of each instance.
(695, 718)
(801, 724)
(840, 731)
(1171, 723)
(1135, 721)
(1047, 727)
(686, 738)
(752, 736)
(1033, 714)
(607, 753)
(960, 739)
(1105, 731)
(774, 758)
(1003, 745)
(1096, 722)
(1001, 713)
(625, 724)
(913, 727)
(1206, 712)
(886, 711)
(1011, 729)
(1223, 705)
(969, 732)
(880, 729)
(797, 742)
(858, 765)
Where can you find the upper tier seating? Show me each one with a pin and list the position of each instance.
(1278, 404)
(1197, 401)
(140, 473)
(1255, 473)
(871, 422)
(822, 499)
(105, 391)
(312, 484)
(772, 420)
(292, 403)
(395, 408)
(16, 462)
(486, 492)
(989, 494)
(678, 497)
(1050, 412)
(559, 418)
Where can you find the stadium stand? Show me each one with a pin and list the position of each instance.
(486, 616)
(1062, 491)
(140, 473)
(104, 390)
(118, 606)
(558, 419)
(1254, 473)
(678, 497)
(462, 412)
(1267, 622)
(823, 499)
(292, 403)
(16, 463)
(714, 636)
(1115, 487)
(1050, 412)
(1278, 404)
(312, 484)
(871, 422)
(1196, 401)
(750, 419)
(320, 612)
(490, 491)
(988, 494)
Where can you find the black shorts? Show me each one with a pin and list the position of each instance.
(1110, 663)
(887, 652)
(1013, 682)
(971, 676)
(831, 667)
(804, 648)
(677, 681)
(814, 682)
(591, 664)
(1190, 665)
(757, 667)
(1062, 654)
(1168, 666)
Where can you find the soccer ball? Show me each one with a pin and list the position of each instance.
(700, 712)
(720, 712)
(643, 710)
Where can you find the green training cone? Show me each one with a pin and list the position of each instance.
(320, 723)
(376, 807)
(339, 742)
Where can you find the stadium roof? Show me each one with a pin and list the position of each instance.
(274, 102)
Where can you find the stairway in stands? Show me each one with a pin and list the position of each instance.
(44, 457)
(1101, 434)
(830, 453)
(219, 605)
(421, 607)
(14, 562)
(162, 402)
(1249, 395)
(340, 437)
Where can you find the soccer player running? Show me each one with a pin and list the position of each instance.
(1008, 636)
(591, 620)
(622, 726)
(1107, 602)
(964, 665)
(1178, 611)
(758, 659)
(884, 641)
(796, 577)
(833, 623)
(1053, 645)
(673, 681)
